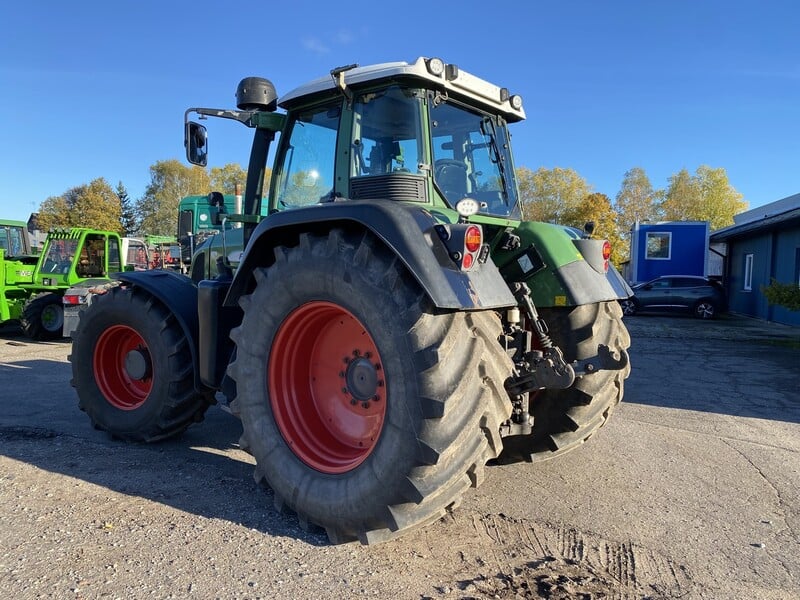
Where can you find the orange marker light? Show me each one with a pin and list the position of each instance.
(473, 238)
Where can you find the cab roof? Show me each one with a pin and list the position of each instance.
(454, 80)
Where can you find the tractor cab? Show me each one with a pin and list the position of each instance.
(422, 132)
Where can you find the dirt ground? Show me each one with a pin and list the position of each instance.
(691, 491)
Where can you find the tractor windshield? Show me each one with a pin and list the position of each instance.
(472, 159)
(468, 154)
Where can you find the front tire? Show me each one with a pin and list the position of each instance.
(565, 419)
(43, 317)
(377, 411)
(132, 368)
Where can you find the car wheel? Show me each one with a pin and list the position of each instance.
(629, 307)
(705, 310)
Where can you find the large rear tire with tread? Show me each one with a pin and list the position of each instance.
(368, 411)
(132, 368)
(43, 317)
(565, 419)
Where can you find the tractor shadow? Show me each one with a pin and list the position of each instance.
(211, 480)
(202, 472)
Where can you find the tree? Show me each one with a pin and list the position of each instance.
(95, 205)
(225, 179)
(54, 212)
(682, 197)
(705, 196)
(550, 194)
(636, 199)
(127, 212)
(170, 181)
(597, 208)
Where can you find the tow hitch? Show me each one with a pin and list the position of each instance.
(547, 369)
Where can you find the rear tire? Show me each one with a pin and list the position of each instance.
(43, 317)
(132, 368)
(335, 322)
(565, 419)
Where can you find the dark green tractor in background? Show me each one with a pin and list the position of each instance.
(381, 319)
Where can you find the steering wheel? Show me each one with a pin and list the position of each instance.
(443, 163)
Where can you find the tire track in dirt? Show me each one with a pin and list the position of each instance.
(503, 557)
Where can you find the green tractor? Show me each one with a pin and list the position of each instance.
(381, 318)
(69, 257)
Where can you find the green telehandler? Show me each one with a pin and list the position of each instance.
(33, 286)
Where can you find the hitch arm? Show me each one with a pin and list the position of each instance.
(604, 361)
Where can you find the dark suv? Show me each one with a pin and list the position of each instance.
(703, 297)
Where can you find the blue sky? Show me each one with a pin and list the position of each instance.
(98, 89)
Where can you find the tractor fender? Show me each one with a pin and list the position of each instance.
(407, 230)
(178, 293)
(559, 266)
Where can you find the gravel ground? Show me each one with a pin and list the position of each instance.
(691, 491)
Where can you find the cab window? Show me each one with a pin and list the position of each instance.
(387, 132)
(306, 171)
(472, 159)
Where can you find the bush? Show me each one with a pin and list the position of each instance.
(782, 294)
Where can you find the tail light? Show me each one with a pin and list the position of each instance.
(606, 254)
(473, 239)
(464, 244)
(73, 299)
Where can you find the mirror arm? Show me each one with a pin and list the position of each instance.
(243, 116)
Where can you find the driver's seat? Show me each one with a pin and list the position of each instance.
(451, 177)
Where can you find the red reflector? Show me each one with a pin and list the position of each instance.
(606, 250)
(71, 300)
(466, 263)
(473, 238)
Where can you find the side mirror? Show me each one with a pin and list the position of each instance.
(196, 142)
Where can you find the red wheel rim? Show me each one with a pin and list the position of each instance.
(122, 367)
(326, 387)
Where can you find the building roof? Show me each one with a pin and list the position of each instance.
(765, 218)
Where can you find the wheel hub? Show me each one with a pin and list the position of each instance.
(137, 364)
(361, 379)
